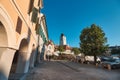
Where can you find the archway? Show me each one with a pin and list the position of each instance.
(3, 39)
(3, 44)
(3, 35)
(22, 66)
(7, 43)
(6, 53)
(20, 62)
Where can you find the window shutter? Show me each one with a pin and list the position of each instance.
(30, 6)
(34, 15)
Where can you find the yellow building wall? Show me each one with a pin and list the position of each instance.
(22, 27)
(19, 9)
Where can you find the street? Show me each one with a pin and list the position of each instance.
(66, 70)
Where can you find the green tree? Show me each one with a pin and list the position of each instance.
(76, 51)
(61, 48)
(93, 41)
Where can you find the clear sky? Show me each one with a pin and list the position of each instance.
(72, 16)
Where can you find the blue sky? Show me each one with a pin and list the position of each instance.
(72, 16)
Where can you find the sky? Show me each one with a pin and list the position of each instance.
(72, 16)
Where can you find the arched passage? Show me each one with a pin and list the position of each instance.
(23, 61)
(7, 43)
(3, 43)
(6, 53)
(9, 28)
(3, 38)
(20, 62)
(3, 35)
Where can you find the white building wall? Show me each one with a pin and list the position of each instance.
(63, 40)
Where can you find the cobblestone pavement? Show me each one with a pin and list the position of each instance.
(65, 70)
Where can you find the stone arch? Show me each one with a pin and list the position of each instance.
(7, 43)
(21, 55)
(20, 62)
(3, 43)
(9, 27)
(3, 39)
(3, 36)
(23, 61)
(22, 36)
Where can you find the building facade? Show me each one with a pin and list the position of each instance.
(42, 34)
(49, 49)
(20, 42)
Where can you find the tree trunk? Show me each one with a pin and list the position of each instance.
(95, 58)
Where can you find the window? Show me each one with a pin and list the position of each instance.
(39, 2)
(31, 6)
(34, 15)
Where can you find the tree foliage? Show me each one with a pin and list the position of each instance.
(93, 41)
(61, 48)
(76, 51)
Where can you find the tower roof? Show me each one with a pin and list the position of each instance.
(62, 34)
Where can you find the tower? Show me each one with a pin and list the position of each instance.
(62, 39)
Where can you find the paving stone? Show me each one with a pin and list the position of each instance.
(66, 70)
